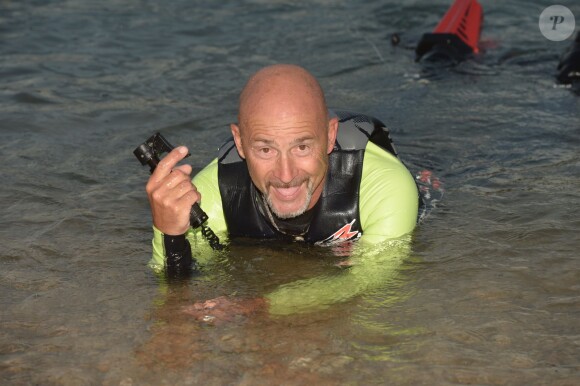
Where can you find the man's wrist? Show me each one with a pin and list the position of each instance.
(174, 243)
(178, 258)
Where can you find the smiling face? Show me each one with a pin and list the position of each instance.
(285, 136)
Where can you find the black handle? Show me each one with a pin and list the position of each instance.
(197, 216)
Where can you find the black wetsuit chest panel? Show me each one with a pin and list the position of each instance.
(337, 206)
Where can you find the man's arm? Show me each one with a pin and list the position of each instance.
(370, 267)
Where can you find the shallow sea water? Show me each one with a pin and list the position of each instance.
(490, 294)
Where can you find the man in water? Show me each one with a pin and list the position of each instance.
(286, 175)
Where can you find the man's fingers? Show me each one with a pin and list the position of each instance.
(190, 197)
(166, 164)
(167, 183)
(174, 179)
(186, 169)
(171, 193)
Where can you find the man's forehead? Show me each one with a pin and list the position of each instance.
(276, 139)
(261, 123)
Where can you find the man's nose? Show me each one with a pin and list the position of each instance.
(285, 169)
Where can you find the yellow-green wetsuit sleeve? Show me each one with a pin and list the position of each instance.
(371, 267)
(389, 199)
(388, 212)
(206, 182)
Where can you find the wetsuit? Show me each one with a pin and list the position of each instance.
(373, 192)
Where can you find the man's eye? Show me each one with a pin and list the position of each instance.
(302, 149)
(265, 152)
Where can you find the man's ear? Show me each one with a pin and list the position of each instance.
(332, 132)
(237, 139)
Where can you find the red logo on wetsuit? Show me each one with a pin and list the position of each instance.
(343, 234)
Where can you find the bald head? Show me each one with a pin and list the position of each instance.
(282, 89)
(285, 136)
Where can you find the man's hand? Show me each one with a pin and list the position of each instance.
(171, 193)
(223, 309)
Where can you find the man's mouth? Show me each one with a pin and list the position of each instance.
(287, 193)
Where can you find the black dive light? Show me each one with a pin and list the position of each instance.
(150, 151)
